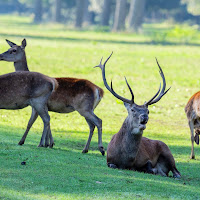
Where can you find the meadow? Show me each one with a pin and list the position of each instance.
(64, 172)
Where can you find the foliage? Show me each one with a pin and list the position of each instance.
(181, 34)
(193, 6)
(64, 172)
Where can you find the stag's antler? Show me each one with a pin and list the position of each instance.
(111, 89)
(162, 93)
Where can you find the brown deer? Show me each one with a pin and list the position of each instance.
(128, 149)
(192, 110)
(21, 89)
(73, 94)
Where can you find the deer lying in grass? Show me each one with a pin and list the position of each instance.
(21, 89)
(192, 110)
(73, 94)
(128, 149)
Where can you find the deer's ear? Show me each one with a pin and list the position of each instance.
(23, 43)
(11, 44)
(127, 105)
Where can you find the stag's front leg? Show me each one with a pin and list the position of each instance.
(34, 116)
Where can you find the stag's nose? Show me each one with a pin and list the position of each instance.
(143, 119)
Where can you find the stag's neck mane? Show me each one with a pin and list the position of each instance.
(21, 65)
(131, 136)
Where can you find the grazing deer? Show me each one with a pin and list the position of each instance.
(73, 94)
(21, 89)
(128, 149)
(192, 110)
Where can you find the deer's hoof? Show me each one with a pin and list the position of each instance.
(112, 165)
(20, 143)
(192, 157)
(51, 145)
(41, 145)
(101, 149)
(84, 151)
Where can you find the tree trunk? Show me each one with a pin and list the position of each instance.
(136, 14)
(86, 15)
(106, 12)
(57, 11)
(120, 15)
(80, 5)
(38, 11)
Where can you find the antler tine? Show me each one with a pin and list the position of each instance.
(130, 90)
(108, 58)
(146, 103)
(163, 92)
(100, 65)
(107, 86)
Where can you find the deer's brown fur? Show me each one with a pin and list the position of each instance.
(73, 94)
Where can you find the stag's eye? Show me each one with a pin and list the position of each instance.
(14, 50)
(133, 110)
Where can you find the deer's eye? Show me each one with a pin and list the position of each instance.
(14, 50)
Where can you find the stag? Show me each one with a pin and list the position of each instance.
(21, 89)
(73, 94)
(128, 149)
(192, 110)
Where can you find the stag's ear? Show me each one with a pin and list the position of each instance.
(23, 43)
(127, 105)
(11, 44)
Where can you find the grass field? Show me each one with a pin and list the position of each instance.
(64, 172)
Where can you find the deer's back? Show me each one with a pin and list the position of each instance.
(73, 93)
(18, 88)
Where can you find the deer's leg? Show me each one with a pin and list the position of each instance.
(49, 136)
(89, 115)
(92, 127)
(149, 168)
(42, 111)
(191, 125)
(34, 116)
(176, 173)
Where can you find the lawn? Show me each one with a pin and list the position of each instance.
(64, 172)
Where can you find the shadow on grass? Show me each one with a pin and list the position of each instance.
(66, 172)
(84, 40)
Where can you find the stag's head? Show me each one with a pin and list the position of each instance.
(138, 115)
(15, 53)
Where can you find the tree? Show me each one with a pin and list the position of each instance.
(106, 12)
(80, 7)
(38, 11)
(136, 14)
(120, 15)
(57, 10)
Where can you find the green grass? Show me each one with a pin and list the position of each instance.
(64, 172)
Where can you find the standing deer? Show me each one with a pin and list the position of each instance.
(21, 89)
(192, 110)
(128, 149)
(73, 94)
